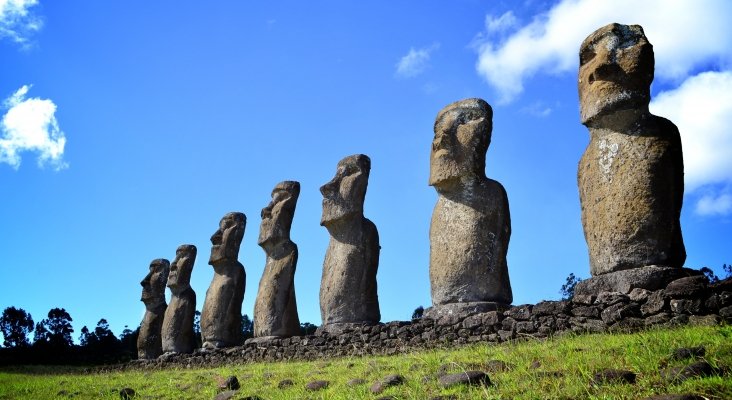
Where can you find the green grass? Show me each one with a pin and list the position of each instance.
(567, 364)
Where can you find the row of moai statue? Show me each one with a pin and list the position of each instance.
(630, 181)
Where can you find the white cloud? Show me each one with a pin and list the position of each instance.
(537, 109)
(702, 109)
(17, 21)
(686, 34)
(30, 125)
(500, 24)
(415, 62)
(710, 205)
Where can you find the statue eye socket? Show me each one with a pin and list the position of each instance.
(586, 55)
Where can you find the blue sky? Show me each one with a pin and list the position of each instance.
(129, 128)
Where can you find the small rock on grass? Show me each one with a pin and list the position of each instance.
(675, 397)
(127, 393)
(465, 378)
(686, 353)
(285, 383)
(391, 380)
(230, 383)
(610, 376)
(699, 369)
(355, 382)
(225, 395)
(317, 385)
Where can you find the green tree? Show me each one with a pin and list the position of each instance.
(56, 329)
(709, 274)
(567, 290)
(15, 325)
(306, 328)
(418, 312)
(247, 328)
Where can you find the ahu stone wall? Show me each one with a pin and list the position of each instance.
(688, 300)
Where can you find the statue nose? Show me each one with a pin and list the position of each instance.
(328, 189)
(607, 71)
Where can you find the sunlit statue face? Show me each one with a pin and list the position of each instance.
(181, 268)
(277, 216)
(227, 239)
(462, 135)
(615, 73)
(153, 285)
(344, 195)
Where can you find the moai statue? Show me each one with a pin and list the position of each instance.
(631, 176)
(348, 286)
(471, 224)
(275, 310)
(149, 343)
(178, 334)
(221, 314)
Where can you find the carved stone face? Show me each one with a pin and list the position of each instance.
(153, 285)
(277, 216)
(227, 239)
(462, 135)
(343, 196)
(180, 269)
(616, 71)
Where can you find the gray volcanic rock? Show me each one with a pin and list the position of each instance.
(221, 314)
(275, 309)
(650, 278)
(149, 342)
(631, 176)
(178, 334)
(471, 223)
(348, 292)
(465, 378)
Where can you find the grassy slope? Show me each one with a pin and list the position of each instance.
(577, 358)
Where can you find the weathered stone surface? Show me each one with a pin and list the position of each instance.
(465, 378)
(631, 174)
(221, 314)
(471, 223)
(461, 310)
(177, 332)
(126, 394)
(149, 342)
(550, 308)
(649, 277)
(275, 309)
(685, 353)
(686, 287)
(348, 286)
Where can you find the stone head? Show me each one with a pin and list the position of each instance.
(615, 72)
(227, 239)
(277, 216)
(344, 195)
(462, 136)
(181, 267)
(153, 285)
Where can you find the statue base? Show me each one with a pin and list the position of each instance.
(463, 310)
(338, 328)
(652, 277)
(262, 339)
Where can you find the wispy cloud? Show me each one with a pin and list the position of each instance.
(415, 62)
(712, 205)
(537, 109)
(686, 34)
(18, 22)
(30, 125)
(500, 24)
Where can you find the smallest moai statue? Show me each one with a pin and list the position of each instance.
(149, 343)
(178, 333)
(275, 310)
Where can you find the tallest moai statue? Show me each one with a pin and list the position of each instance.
(631, 176)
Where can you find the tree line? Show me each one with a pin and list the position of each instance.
(52, 341)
